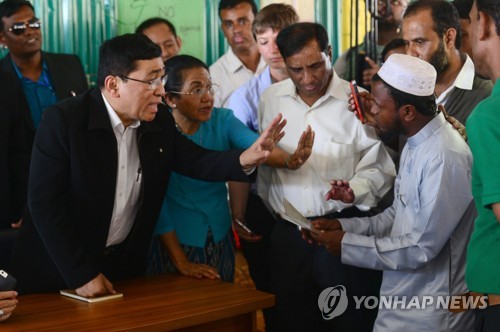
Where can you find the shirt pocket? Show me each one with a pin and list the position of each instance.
(401, 194)
(336, 161)
(406, 206)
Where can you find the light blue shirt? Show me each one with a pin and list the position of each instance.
(420, 241)
(244, 101)
(191, 205)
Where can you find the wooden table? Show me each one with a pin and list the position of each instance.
(163, 303)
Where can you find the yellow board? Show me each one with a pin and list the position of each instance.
(347, 25)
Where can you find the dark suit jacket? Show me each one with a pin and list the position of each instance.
(67, 75)
(461, 102)
(14, 157)
(13, 165)
(72, 188)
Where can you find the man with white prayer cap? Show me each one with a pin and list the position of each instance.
(420, 241)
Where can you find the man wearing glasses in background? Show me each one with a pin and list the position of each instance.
(39, 79)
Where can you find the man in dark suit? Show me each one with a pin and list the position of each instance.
(42, 79)
(14, 158)
(100, 166)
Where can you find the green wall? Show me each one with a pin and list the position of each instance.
(80, 26)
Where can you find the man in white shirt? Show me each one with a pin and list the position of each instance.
(432, 32)
(244, 103)
(242, 61)
(344, 149)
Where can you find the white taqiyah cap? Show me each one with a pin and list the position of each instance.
(409, 74)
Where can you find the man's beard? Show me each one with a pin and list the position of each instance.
(439, 60)
(389, 134)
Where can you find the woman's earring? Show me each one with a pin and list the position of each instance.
(174, 106)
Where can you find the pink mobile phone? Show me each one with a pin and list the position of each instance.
(358, 108)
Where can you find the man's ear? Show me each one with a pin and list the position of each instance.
(112, 85)
(407, 113)
(485, 26)
(329, 52)
(449, 38)
(2, 38)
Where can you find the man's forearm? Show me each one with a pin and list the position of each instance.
(496, 210)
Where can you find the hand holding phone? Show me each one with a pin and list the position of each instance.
(242, 225)
(358, 107)
(7, 282)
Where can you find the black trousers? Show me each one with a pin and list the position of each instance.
(487, 319)
(302, 271)
(258, 254)
(7, 239)
(116, 265)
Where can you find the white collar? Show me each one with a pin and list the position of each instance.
(465, 77)
(115, 119)
(235, 64)
(335, 89)
(464, 81)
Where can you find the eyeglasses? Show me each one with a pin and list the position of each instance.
(19, 28)
(199, 91)
(153, 84)
(385, 2)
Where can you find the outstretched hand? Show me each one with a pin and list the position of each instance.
(303, 151)
(368, 73)
(260, 150)
(340, 191)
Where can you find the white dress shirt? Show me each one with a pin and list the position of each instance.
(128, 178)
(344, 149)
(230, 73)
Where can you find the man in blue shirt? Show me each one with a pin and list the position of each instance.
(43, 78)
(244, 102)
(266, 26)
